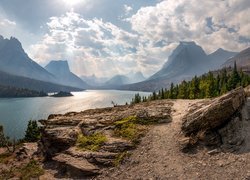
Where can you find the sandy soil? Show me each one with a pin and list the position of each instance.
(159, 156)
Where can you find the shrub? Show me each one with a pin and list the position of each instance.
(130, 128)
(92, 142)
(31, 170)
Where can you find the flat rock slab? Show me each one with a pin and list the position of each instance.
(77, 164)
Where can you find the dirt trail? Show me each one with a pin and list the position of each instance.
(158, 156)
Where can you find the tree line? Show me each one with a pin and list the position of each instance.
(8, 91)
(209, 85)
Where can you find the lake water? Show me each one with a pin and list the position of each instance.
(16, 112)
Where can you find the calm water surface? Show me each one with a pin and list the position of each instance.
(16, 112)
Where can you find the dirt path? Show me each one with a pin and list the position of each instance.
(158, 157)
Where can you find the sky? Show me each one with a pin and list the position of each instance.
(108, 37)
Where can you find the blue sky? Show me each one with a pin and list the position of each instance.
(107, 37)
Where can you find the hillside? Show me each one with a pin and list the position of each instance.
(14, 60)
(186, 61)
(27, 83)
(242, 60)
(10, 92)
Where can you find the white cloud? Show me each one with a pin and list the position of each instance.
(92, 46)
(95, 46)
(7, 22)
(178, 20)
(127, 9)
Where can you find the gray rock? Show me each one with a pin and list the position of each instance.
(215, 114)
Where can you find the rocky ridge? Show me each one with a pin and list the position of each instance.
(61, 132)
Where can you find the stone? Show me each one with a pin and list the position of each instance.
(215, 114)
(76, 166)
(117, 145)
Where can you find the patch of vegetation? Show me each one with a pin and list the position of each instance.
(120, 157)
(5, 157)
(130, 128)
(92, 142)
(32, 133)
(209, 85)
(8, 92)
(29, 171)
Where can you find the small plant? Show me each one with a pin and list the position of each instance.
(5, 157)
(120, 157)
(31, 170)
(129, 128)
(5, 141)
(92, 142)
(32, 133)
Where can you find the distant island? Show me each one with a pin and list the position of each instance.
(62, 94)
(11, 92)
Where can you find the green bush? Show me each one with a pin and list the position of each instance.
(92, 142)
(32, 133)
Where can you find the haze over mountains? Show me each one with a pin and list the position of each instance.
(18, 70)
(186, 61)
(14, 60)
(60, 69)
(242, 60)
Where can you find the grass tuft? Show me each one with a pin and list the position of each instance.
(129, 128)
(92, 142)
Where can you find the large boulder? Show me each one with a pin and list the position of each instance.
(214, 114)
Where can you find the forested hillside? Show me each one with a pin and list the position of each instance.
(28, 83)
(7, 91)
(208, 85)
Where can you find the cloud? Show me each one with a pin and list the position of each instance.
(173, 21)
(7, 23)
(102, 47)
(92, 46)
(127, 9)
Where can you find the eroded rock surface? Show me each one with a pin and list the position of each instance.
(60, 134)
(221, 123)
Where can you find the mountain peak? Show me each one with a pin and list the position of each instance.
(61, 66)
(187, 43)
(60, 69)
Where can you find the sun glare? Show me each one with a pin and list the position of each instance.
(73, 2)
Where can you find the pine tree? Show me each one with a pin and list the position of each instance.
(33, 132)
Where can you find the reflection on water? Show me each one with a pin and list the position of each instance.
(16, 112)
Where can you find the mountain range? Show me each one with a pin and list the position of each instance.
(186, 61)
(17, 69)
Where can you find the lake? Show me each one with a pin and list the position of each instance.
(16, 112)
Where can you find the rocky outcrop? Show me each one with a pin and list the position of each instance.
(61, 132)
(221, 123)
(216, 113)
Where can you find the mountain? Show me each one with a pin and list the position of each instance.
(136, 77)
(186, 61)
(218, 57)
(60, 69)
(14, 60)
(93, 80)
(242, 60)
(117, 80)
(32, 84)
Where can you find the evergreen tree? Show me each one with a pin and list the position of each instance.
(32, 133)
